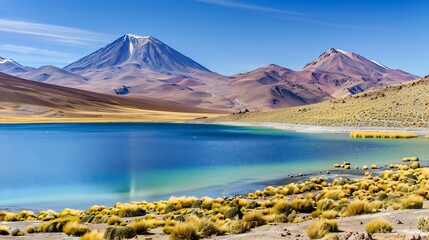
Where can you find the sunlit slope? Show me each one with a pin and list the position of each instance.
(24, 100)
(403, 105)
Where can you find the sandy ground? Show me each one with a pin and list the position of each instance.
(321, 129)
(404, 229)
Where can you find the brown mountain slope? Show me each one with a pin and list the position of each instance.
(24, 100)
(402, 105)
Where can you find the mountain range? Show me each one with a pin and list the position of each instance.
(134, 66)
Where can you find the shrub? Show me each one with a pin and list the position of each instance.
(331, 214)
(237, 227)
(169, 226)
(74, 228)
(206, 228)
(255, 219)
(407, 159)
(4, 230)
(356, 207)
(117, 233)
(415, 165)
(302, 205)
(282, 207)
(130, 210)
(373, 166)
(24, 215)
(56, 225)
(197, 203)
(412, 202)
(141, 226)
(378, 225)
(233, 213)
(9, 217)
(321, 228)
(114, 220)
(16, 232)
(30, 229)
(93, 235)
(423, 224)
(184, 231)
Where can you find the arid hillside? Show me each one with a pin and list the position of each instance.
(402, 105)
(24, 100)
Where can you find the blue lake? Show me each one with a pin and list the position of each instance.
(78, 165)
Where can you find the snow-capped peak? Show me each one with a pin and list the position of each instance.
(136, 36)
(341, 51)
(379, 64)
(5, 60)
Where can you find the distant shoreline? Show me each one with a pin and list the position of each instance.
(317, 128)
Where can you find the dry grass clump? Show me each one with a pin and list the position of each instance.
(382, 135)
(184, 231)
(130, 210)
(92, 235)
(412, 202)
(114, 220)
(76, 229)
(254, 218)
(378, 225)
(16, 232)
(237, 227)
(330, 214)
(4, 230)
(321, 228)
(415, 165)
(356, 207)
(26, 215)
(57, 224)
(142, 226)
(408, 159)
(423, 224)
(30, 229)
(8, 217)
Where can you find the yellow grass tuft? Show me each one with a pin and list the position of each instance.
(4, 230)
(356, 207)
(93, 235)
(321, 228)
(382, 135)
(378, 225)
(30, 229)
(184, 231)
(412, 202)
(74, 228)
(114, 220)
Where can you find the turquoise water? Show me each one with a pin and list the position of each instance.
(78, 165)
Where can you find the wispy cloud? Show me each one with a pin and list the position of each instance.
(55, 33)
(289, 15)
(32, 50)
(33, 56)
(232, 4)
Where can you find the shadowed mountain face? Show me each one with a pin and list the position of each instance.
(134, 66)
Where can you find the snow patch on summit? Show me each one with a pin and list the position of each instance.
(136, 36)
(5, 60)
(379, 64)
(342, 51)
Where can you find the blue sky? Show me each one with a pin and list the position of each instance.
(227, 36)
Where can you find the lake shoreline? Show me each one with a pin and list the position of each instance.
(302, 128)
